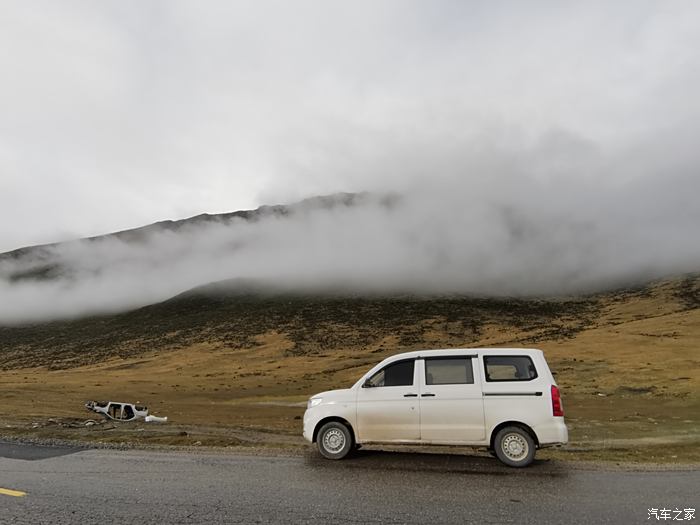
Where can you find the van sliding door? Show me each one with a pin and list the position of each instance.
(451, 401)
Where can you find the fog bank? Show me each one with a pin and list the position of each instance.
(517, 237)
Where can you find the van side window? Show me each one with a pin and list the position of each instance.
(395, 374)
(509, 368)
(449, 371)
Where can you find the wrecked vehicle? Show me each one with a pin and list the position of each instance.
(123, 411)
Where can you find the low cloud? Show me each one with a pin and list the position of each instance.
(510, 231)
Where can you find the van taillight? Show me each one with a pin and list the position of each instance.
(557, 409)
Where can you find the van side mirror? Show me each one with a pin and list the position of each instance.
(367, 384)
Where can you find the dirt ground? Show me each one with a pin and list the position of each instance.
(630, 381)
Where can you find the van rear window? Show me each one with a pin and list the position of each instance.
(509, 368)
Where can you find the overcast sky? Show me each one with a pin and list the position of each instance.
(118, 114)
(538, 148)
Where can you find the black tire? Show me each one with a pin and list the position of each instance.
(514, 447)
(334, 440)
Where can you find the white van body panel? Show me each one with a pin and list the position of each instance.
(443, 414)
(336, 404)
(514, 400)
(388, 411)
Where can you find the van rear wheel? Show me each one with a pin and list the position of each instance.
(514, 447)
(334, 440)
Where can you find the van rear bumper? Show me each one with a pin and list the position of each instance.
(554, 433)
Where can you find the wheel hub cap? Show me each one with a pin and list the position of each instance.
(515, 446)
(334, 440)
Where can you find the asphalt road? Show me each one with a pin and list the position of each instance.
(143, 487)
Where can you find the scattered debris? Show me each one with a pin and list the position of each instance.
(156, 419)
(123, 411)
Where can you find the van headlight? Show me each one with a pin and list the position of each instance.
(314, 401)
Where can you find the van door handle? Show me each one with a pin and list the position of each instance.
(410, 395)
(427, 395)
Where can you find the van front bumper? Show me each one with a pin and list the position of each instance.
(309, 424)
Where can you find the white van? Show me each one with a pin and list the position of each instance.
(504, 399)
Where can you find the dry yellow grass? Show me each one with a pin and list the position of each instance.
(630, 379)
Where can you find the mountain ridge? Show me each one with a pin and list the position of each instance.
(265, 210)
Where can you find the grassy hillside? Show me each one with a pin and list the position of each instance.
(232, 315)
(241, 357)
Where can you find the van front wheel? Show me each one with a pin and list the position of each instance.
(334, 440)
(514, 447)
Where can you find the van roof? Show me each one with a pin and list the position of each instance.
(452, 351)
